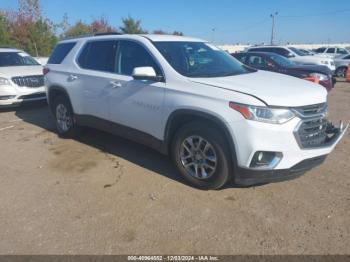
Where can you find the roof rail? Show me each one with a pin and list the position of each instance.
(107, 33)
(90, 35)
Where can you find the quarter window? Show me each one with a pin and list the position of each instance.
(99, 56)
(60, 52)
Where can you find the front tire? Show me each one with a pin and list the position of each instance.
(64, 117)
(202, 156)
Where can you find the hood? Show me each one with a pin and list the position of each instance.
(274, 89)
(312, 69)
(11, 71)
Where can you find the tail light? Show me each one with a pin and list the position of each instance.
(312, 79)
(46, 70)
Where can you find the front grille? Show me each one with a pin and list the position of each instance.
(29, 81)
(312, 133)
(312, 110)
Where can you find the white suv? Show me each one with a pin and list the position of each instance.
(21, 78)
(296, 55)
(217, 118)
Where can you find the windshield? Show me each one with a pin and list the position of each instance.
(297, 51)
(16, 59)
(282, 61)
(198, 59)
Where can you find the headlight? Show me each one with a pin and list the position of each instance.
(320, 77)
(324, 62)
(264, 114)
(4, 82)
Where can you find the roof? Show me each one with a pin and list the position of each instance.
(9, 49)
(265, 46)
(151, 37)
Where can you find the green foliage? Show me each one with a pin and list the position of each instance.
(26, 29)
(79, 29)
(131, 26)
(5, 37)
(29, 30)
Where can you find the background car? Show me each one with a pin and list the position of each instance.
(332, 51)
(295, 55)
(279, 64)
(21, 78)
(342, 63)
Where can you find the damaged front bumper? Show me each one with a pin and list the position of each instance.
(308, 158)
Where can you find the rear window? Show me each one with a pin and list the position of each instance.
(99, 56)
(60, 52)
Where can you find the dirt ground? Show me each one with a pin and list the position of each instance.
(101, 194)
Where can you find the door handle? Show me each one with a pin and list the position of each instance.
(115, 84)
(72, 78)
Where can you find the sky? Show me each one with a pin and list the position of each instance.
(233, 21)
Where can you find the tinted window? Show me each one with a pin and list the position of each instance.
(131, 55)
(282, 61)
(257, 61)
(99, 56)
(341, 51)
(347, 57)
(241, 57)
(60, 52)
(320, 50)
(330, 51)
(16, 59)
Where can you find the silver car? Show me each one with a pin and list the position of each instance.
(341, 62)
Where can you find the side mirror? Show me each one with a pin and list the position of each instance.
(290, 55)
(146, 73)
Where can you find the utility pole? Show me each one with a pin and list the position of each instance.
(273, 27)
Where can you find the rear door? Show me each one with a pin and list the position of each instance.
(96, 61)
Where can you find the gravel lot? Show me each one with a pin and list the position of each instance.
(101, 194)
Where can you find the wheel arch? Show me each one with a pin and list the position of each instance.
(181, 117)
(54, 91)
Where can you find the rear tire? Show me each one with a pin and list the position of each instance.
(64, 117)
(341, 72)
(202, 156)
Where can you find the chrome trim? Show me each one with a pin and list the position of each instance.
(276, 160)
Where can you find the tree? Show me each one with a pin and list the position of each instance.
(79, 29)
(178, 33)
(101, 25)
(161, 32)
(30, 8)
(131, 26)
(29, 30)
(5, 37)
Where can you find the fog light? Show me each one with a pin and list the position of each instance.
(6, 97)
(264, 159)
